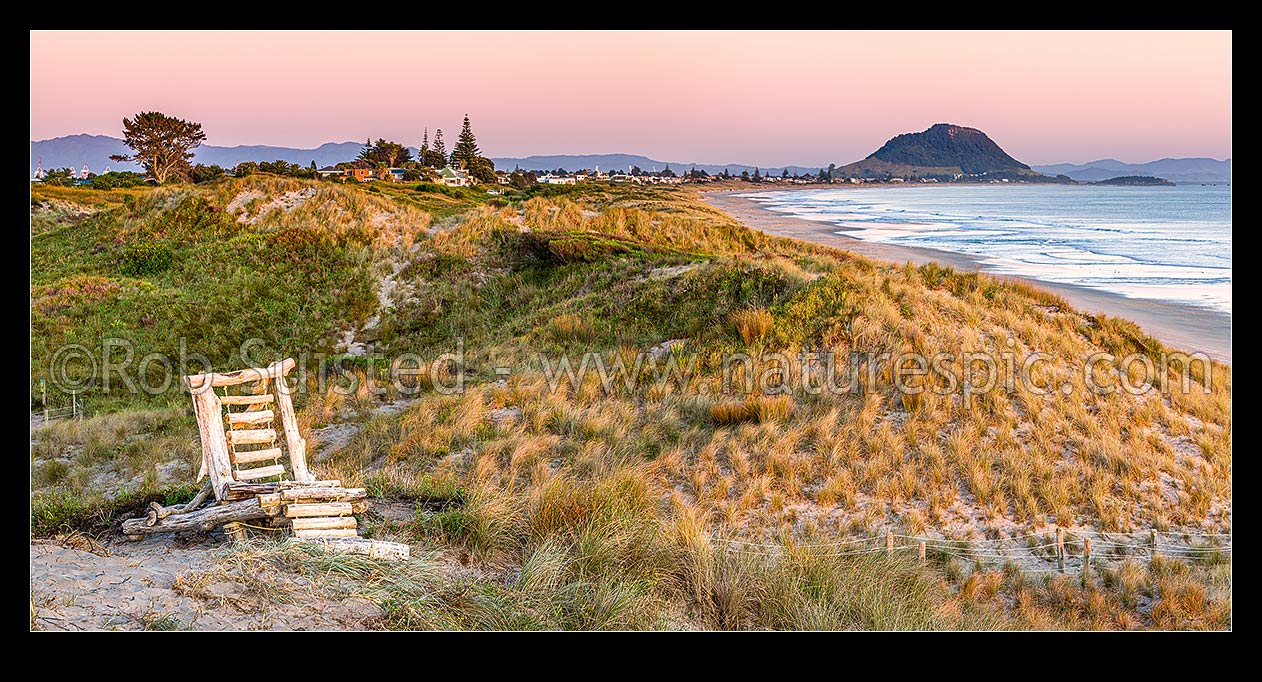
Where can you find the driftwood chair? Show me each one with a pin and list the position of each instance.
(245, 461)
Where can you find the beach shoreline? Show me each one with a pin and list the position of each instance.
(1183, 327)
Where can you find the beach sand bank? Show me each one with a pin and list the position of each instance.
(1184, 327)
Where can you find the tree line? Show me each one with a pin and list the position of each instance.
(163, 145)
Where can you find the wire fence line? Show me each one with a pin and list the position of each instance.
(1075, 549)
(49, 407)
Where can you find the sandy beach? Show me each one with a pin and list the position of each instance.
(1184, 327)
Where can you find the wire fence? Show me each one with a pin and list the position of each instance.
(49, 406)
(1054, 551)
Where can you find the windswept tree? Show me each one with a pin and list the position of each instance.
(162, 144)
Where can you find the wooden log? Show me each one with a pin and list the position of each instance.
(214, 444)
(261, 399)
(324, 523)
(241, 376)
(294, 511)
(241, 491)
(202, 520)
(373, 549)
(259, 417)
(323, 493)
(260, 472)
(294, 442)
(327, 533)
(328, 483)
(256, 455)
(251, 436)
(269, 501)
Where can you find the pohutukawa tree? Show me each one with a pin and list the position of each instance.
(161, 144)
(391, 154)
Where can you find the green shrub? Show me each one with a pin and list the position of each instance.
(146, 258)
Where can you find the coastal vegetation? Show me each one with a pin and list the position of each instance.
(538, 502)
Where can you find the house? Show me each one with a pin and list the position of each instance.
(454, 177)
(330, 172)
(390, 174)
(361, 174)
(551, 179)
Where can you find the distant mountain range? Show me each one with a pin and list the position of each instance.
(1176, 170)
(960, 149)
(94, 150)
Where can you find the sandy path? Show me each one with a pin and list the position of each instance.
(147, 585)
(1187, 328)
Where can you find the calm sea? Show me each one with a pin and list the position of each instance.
(1165, 243)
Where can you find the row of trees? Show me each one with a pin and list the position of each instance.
(163, 145)
(466, 155)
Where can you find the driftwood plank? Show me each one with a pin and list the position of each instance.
(327, 533)
(256, 455)
(241, 376)
(260, 472)
(329, 483)
(294, 511)
(374, 549)
(257, 417)
(323, 493)
(261, 399)
(294, 442)
(324, 523)
(251, 436)
(215, 458)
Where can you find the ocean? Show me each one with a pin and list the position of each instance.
(1164, 243)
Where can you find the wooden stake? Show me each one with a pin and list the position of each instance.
(1153, 554)
(922, 551)
(43, 398)
(889, 543)
(294, 442)
(1060, 549)
(1086, 559)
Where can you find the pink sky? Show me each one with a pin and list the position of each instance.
(770, 98)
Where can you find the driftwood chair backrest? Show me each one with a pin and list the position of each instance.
(237, 417)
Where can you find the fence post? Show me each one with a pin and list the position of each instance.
(922, 551)
(1086, 560)
(889, 543)
(1060, 549)
(74, 405)
(43, 398)
(1153, 554)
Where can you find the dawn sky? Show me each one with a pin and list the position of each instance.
(770, 98)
